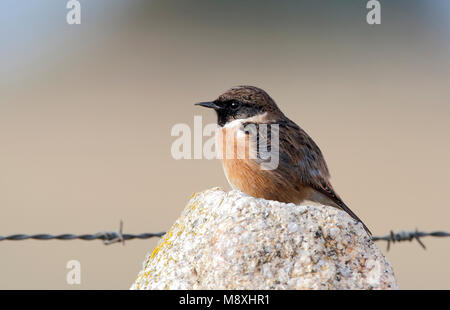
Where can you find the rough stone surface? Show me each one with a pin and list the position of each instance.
(234, 241)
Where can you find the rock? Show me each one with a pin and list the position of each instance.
(234, 241)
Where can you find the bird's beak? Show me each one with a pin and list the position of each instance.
(208, 104)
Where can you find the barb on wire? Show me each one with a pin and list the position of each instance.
(119, 236)
(409, 236)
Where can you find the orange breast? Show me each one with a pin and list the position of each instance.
(243, 173)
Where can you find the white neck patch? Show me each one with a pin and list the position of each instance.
(239, 122)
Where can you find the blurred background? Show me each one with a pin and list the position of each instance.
(86, 113)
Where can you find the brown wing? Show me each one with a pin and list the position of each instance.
(305, 155)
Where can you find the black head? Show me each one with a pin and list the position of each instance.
(240, 103)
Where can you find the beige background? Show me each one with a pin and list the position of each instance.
(86, 113)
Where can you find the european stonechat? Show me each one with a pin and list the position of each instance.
(301, 173)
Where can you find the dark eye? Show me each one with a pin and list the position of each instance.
(234, 105)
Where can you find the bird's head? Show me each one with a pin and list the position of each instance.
(240, 103)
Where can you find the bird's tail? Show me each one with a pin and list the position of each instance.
(327, 190)
(344, 207)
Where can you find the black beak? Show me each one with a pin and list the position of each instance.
(208, 104)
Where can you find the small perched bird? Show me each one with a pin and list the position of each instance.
(301, 173)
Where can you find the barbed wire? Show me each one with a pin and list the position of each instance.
(409, 236)
(109, 237)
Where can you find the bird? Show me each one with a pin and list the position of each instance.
(301, 173)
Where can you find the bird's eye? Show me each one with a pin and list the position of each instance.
(235, 104)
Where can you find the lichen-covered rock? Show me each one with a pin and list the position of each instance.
(234, 241)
